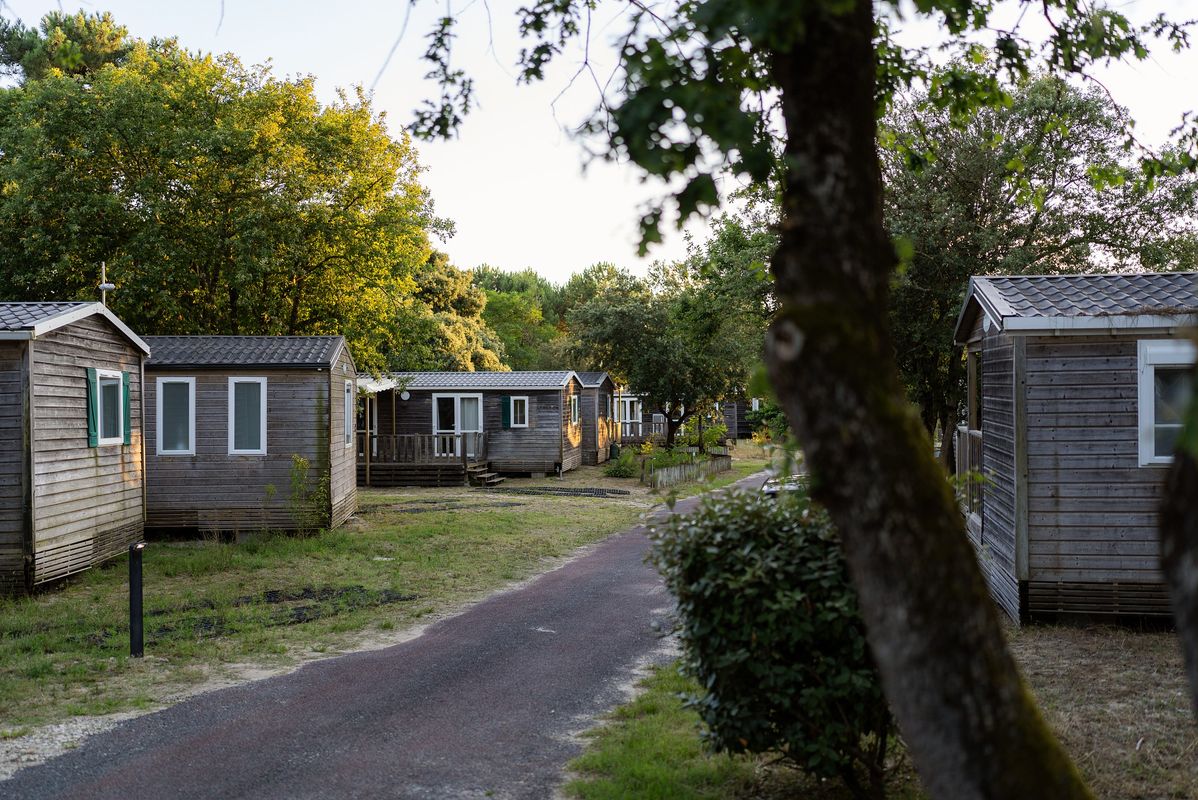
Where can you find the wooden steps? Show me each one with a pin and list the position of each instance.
(445, 474)
(480, 475)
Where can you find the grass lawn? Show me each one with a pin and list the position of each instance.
(216, 610)
(1116, 697)
(276, 600)
(650, 749)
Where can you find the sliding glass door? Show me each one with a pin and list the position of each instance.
(454, 415)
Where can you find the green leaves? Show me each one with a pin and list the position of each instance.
(769, 626)
(223, 199)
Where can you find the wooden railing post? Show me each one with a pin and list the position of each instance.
(369, 442)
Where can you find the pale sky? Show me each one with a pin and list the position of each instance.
(514, 182)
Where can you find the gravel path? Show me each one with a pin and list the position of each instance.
(484, 704)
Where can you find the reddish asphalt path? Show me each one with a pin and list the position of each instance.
(483, 704)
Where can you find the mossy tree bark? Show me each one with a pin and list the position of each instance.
(969, 721)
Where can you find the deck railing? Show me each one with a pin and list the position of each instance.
(968, 448)
(635, 431)
(421, 448)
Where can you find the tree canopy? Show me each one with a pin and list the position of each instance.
(1011, 189)
(686, 337)
(74, 44)
(224, 200)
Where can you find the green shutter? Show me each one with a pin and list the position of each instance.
(505, 411)
(93, 410)
(128, 416)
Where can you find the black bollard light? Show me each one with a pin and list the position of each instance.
(136, 643)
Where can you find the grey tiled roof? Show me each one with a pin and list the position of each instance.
(1090, 295)
(23, 316)
(242, 351)
(591, 378)
(483, 380)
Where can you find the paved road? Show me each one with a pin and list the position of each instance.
(483, 704)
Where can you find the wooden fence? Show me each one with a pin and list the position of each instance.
(679, 473)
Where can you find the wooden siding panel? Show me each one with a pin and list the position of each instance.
(88, 501)
(1092, 510)
(571, 434)
(343, 475)
(13, 468)
(216, 490)
(596, 437)
(996, 542)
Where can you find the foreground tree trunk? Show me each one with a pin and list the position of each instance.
(970, 723)
(1179, 550)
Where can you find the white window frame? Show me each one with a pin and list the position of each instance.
(191, 416)
(1153, 353)
(574, 409)
(101, 440)
(457, 411)
(512, 412)
(349, 409)
(233, 381)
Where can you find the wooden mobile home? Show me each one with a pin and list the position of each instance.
(71, 467)
(736, 417)
(226, 417)
(1076, 387)
(447, 428)
(598, 412)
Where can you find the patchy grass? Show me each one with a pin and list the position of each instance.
(1116, 697)
(276, 599)
(650, 749)
(1118, 700)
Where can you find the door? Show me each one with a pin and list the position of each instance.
(470, 420)
(454, 415)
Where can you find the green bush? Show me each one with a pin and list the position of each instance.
(623, 466)
(663, 457)
(769, 626)
(769, 422)
(712, 436)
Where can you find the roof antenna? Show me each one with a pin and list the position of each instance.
(105, 286)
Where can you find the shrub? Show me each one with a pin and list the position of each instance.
(769, 626)
(662, 457)
(769, 423)
(623, 466)
(712, 436)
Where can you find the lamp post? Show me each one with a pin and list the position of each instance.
(136, 637)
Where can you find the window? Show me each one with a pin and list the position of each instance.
(1164, 393)
(348, 416)
(176, 416)
(247, 416)
(519, 414)
(110, 407)
(756, 403)
(108, 420)
(573, 409)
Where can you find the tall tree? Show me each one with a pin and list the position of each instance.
(699, 82)
(74, 44)
(1010, 190)
(223, 200)
(523, 310)
(681, 340)
(443, 325)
